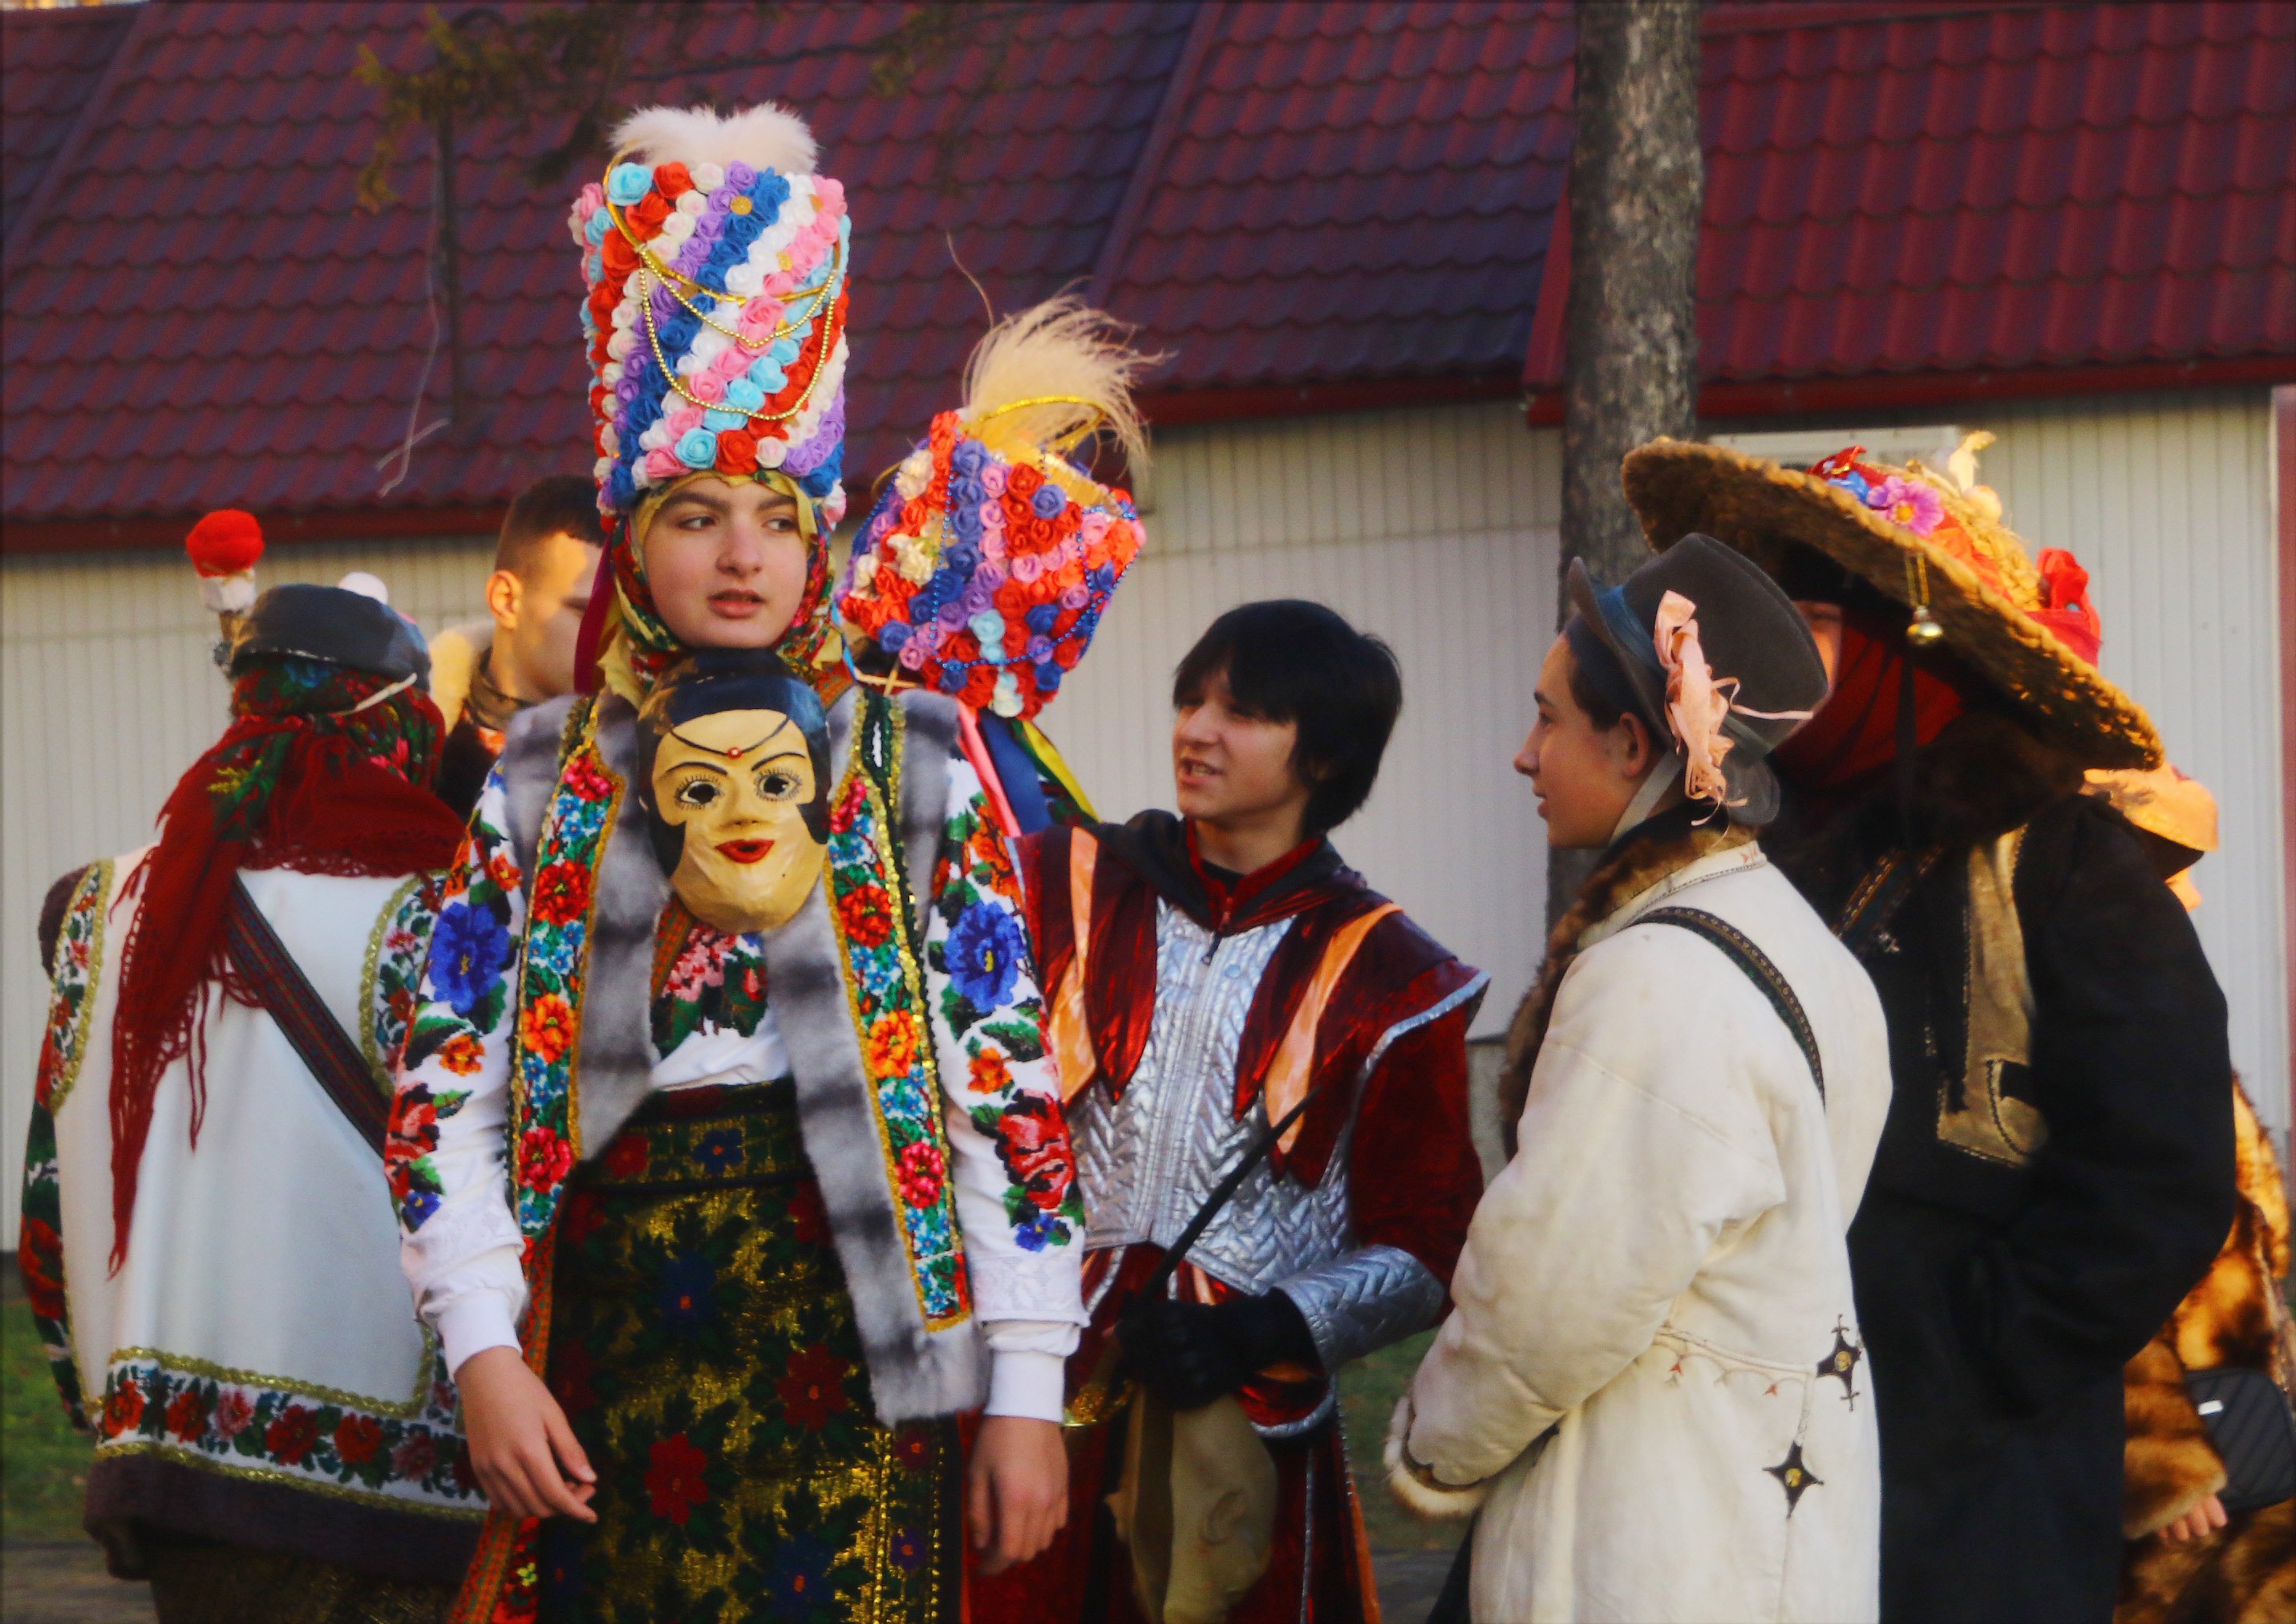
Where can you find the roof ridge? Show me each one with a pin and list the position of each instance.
(68, 150)
(1169, 108)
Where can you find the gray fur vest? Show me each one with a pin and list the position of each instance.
(914, 1371)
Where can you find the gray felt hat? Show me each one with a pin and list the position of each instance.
(1750, 630)
(333, 624)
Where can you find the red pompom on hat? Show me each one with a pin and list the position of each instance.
(226, 542)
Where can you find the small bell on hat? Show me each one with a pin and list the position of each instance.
(225, 547)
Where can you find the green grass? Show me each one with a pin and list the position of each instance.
(43, 1462)
(1369, 1389)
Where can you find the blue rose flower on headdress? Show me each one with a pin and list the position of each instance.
(628, 182)
(698, 448)
(470, 948)
(985, 950)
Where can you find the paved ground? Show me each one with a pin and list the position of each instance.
(66, 1584)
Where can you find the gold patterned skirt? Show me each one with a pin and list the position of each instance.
(705, 1350)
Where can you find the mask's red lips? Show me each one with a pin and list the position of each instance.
(746, 851)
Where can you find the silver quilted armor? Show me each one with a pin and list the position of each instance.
(1149, 1163)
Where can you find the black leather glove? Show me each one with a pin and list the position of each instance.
(1189, 1353)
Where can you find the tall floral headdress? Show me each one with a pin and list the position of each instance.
(714, 327)
(987, 563)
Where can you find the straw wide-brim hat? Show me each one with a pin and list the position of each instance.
(1972, 574)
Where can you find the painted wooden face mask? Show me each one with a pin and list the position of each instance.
(736, 787)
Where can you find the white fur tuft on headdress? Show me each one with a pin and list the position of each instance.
(767, 136)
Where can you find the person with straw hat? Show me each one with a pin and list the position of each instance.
(2057, 1167)
(730, 1168)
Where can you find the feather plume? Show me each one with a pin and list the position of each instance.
(1065, 348)
(767, 136)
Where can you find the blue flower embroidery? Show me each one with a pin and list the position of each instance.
(689, 1293)
(469, 951)
(799, 1573)
(984, 955)
(720, 1150)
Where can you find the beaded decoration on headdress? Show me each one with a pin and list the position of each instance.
(987, 563)
(715, 324)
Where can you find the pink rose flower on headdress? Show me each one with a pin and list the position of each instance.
(1911, 503)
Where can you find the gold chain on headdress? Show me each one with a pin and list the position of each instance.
(670, 279)
(1062, 442)
(653, 335)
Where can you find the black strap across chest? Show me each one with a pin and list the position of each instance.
(1766, 977)
(262, 959)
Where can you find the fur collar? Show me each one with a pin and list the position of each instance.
(1648, 855)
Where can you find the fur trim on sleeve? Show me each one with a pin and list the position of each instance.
(1415, 1488)
(2170, 1466)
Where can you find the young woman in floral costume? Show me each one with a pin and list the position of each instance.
(722, 1227)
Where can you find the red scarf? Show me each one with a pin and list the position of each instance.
(301, 780)
(1853, 736)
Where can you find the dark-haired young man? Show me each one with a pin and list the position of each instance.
(544, 560)
(1205, 974)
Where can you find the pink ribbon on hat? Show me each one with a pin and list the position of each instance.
(1698, 702)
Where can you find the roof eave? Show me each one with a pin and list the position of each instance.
(1797, 397)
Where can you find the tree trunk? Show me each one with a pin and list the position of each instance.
(1630, 323)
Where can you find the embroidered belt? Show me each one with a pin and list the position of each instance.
(704, 1139)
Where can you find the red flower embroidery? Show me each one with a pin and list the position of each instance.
(628, 1156)
(40, 1260)
(562, 893)
(357, 1439)
(849, 806)
(584, 781)
(921, 1174)
(232, 1412)
(503, 872)
(187, 1414)
(412, 1461)
(807, 1215)
(292, 1436)
(990, 1074)
(813, 1390)
(548, 1026)
(866, 912)
(1033, 1144)
(544, 1159)
(673, 1479)
(912, 1449)
(123, 1411)
(462, 1055)
(893, 1044)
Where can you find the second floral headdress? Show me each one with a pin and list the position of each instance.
(985, 565)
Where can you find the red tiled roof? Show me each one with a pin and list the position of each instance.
(1991, 189)
(1289, 197)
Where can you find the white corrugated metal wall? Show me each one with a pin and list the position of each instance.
(1434, 527)
(108, 692)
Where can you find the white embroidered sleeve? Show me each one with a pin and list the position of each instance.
(1015, 1176)
(446, 1154)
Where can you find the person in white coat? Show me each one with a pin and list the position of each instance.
(1651, 1388)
